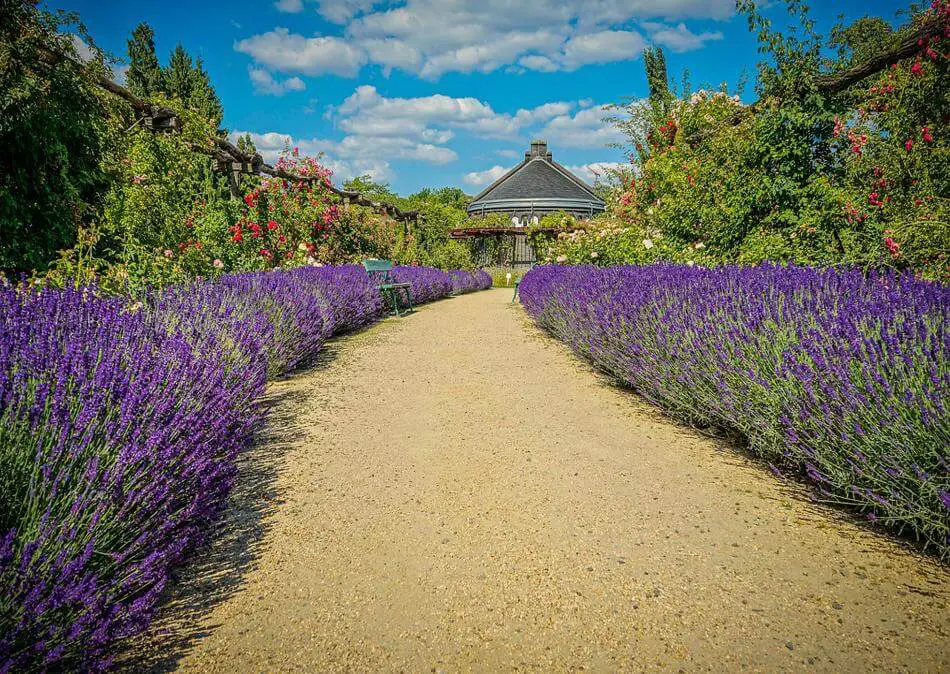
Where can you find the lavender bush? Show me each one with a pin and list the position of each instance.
(466, 282)
(427, 284)
(839, 375)
(119, 427)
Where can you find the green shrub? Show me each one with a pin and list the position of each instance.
(53, 132)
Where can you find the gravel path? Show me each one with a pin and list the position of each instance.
(455, 491)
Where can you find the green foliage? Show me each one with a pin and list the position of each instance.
(489, 221)
(179, 75)
(505, 277)
(654, 61)
(52, 134)
(246, 145)
(860, 176)
(558, 220)
(446, 196)
(144, 77)
(449, 254)
(377, 191)
(149, 207)
(204, 99)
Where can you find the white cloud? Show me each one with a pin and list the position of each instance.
(289, 6)
(604, 46)
(270, 145)
(86, 53)
(265, 83)
(367, 112)
(432, 37)
(284, 51)
(595, 172)
(679, 38)
(584, 129)
(83, 50)
(341, 11)
(119, 74)
(485, 177)
(378, 130)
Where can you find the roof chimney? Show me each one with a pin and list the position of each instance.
(539, 148)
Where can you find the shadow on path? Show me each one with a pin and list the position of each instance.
(220, 567)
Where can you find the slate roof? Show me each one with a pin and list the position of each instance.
(538, 182)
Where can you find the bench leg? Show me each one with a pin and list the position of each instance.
(408, 300)
(395, 297)
(515, 296)
(390, 296)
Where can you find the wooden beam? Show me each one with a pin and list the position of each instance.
(229, 158)
(907, 47)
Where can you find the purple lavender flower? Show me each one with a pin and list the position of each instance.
(119, 429)
(840, 375)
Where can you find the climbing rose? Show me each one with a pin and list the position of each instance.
(909, 144)
(218, 263)
(892, 246)
(271, 225)
(926, 134)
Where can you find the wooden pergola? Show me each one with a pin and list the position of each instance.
(515, 250)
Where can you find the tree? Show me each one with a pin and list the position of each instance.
(144, 78)
(860, 40)
(52, 135)
(447, 196)
(246, 145)
(654, 61)
(365, 185)
(203, 98)
(179, 75)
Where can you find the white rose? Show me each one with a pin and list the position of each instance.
(593, 254)
(690, 263)
(647, 243)
(700, 245)
(561, 258)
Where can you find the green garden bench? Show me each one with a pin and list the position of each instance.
(517, 285)
(382, 271)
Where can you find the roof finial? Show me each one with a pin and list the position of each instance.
(539, 148)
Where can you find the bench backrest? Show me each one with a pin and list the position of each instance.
(377, 265)
(379, 270)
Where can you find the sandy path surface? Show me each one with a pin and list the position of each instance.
(455, 491)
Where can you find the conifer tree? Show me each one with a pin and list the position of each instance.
(203, 97)
(145, 74)
(180, 75)
(654, 62)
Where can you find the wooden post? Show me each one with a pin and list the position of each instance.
(233, 184)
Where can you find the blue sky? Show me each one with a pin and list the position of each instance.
(442, 92)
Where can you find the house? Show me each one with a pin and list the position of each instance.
(533, 188)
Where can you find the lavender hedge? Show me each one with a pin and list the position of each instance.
(119, 428)
(427, 283)
(841, 376)
(466, 282)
